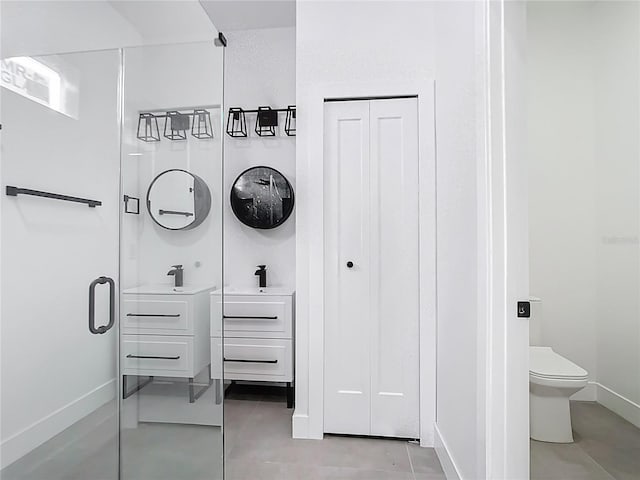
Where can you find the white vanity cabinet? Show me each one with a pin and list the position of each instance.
(165, 333)
(258, 335)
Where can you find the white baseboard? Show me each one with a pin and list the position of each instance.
(615, 402)
(428, 441)
(427, 436)
(21, 443)
(448, 465)
(299, 425)
(587, 394)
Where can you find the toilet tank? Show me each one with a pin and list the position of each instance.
(535, 322)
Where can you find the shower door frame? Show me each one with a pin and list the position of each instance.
(115, 283)
(216, 385)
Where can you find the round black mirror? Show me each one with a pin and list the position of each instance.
(178, 200)
(261, 197)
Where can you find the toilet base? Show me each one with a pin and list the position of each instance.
(550, 413)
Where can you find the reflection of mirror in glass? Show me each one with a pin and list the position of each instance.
(261, 197)
(178, 200)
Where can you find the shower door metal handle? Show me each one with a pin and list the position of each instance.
(92, 305)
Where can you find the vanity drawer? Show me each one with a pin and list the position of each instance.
(159, 314)
(251, 316)
(258, 359)
(166, 356)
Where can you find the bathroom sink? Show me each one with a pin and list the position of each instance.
(168, 289)
(255, 291)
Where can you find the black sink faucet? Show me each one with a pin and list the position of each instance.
(262, 273)
(178, 274)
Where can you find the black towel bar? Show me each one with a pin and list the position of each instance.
(173, 212)
(15, 191)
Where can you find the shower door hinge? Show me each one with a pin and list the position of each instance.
(221, 41)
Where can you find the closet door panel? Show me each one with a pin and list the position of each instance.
(394, 276)
(347, 315)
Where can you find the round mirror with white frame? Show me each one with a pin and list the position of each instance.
(178, 200)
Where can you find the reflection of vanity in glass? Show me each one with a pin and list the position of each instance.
(165, 333)
(258, 336)
(165, 348)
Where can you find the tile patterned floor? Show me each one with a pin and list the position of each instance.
(154, 451)
(85, 450)
(606, 447)
(258, 445)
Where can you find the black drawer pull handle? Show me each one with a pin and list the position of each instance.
(250, 316)
(249, 361)
(154, 357)
(172, 315)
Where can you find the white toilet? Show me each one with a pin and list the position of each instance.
(552, 380)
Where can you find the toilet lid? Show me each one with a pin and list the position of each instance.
(544, 362)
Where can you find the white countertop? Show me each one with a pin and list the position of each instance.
(168, 289)
(267, 291)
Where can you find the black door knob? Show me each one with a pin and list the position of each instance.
(349, 264)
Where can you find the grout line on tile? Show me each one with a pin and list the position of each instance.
(413, 473)
(609, 476)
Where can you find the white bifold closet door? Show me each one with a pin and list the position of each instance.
(371, 378)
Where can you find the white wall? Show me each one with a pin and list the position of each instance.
(47, 27)
(584, 106)
(339, 54)
(617, 103)
(562, 176)
(460, 389)
(259, 70)
(400, 41)
(335, 44)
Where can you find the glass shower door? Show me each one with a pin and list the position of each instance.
(59, 223)
(171, 263)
